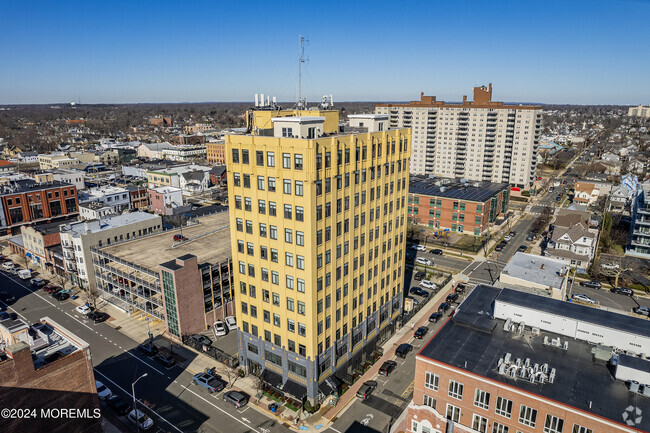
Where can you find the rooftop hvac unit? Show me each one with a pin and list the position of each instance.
(634, 386)
(566, 345)
(527, 362)
(518, 362)
(546, 340)
(545, 368)
(536, 330)
(646, 390)
(512, 371)
(521, 327)
(532, 379)
(502, 370)
(508, 358)
(507, 325)
(551, 377)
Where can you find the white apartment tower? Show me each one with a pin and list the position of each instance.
(476, 140)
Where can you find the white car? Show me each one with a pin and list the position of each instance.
(609, 266)
(38, 282)
(8, 265)
(583, 298)
(219, 328)
(507, 238)
(428, 284)
(423, 261)
(83, 309)
(137, 417)
(231, 323)
(419, 247)
(102, 391)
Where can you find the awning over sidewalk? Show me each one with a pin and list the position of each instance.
(294, 389)
(330, 385)
(273, 379)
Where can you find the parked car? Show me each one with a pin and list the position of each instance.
(452, 297)
(421, 332)
(622, 291)
(24, 274)
(530, 237)
(231, 323)
(83, 309)
(403, 350)
(592, 284)
(435, 317)
(201, 340)
(97, 316)
(507, 238)
(236, 398)
(642, 310)
(460, 288)
(118, 404)
(418, 291)
(51, 288)
(138, 418)
(219, 328)
(209, 382)
(366, 389)
(609, 266)
(419, 275)
(443, 307)
(179, 238)
(419, 247)
(102, 391)
(436, 251)
(37, 282)
(61, 296)
(7, 297)
(499, 247)
(423, 261)
(7, 266)
(148, 349)
(165, 359)
(522, 248)
(387, 367)
(428, 284)
(513, 234)
(583, 298)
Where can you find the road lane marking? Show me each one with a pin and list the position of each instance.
(127, 393)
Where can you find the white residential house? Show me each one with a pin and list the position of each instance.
(575, 245)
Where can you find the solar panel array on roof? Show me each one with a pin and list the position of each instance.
(477, 191)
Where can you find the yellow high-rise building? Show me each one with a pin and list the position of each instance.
(318, 227)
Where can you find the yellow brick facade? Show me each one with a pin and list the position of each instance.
(321, 278)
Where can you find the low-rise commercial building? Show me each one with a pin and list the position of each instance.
(152, 150)
(78, 238)
(510, 361)
(454, 205)
(166, 200)
(114, 196)
(46, 367)
(536, 274)
(48, 161)
(187, 283)
(185, 152)
(216, 152)
(26, 201)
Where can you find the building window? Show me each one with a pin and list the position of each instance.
(577, 428)
(429, 401)
(527, 416)
(300, 238)
(287, 186)
(499, 428)
(290, 304)
(503, 407)
(302, 331)
(286, 159)
(453, 413)
(276, 320)
(553, 424)
(455, 389)
(271, 184)
(297, 161)
(235, 156)
(431, 381)
(288, 236)
(270, 159)
(273, 358)
(482, 399)
(298, 188)
(479, 423)
(301, 308)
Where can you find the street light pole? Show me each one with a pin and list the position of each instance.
(135, 407)
(146, 319)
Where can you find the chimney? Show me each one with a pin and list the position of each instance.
(542, 266)
(464, 99)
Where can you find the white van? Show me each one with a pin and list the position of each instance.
(25, 274)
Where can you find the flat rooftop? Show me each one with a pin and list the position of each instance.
(107, 222)
(470, 190)
(537, 269)
(209, 241)
(472, 341)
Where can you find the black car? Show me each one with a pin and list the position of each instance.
(97, 316)
(201, 340)
(460, 288)
(522, 248)
(436, 251)
(443, 307)
(7, 298)
(403, 350)
(435, 317)
(513, 234)
(387, 367)
(366, 389)
(592, 284)
(119, 405)
(418, 291)
(421, 332)
(419, 275)
(622, 291)
(61, 296)
(530, 237)
(165, 359)
(148, 349)
(499, 247)
(452, 297)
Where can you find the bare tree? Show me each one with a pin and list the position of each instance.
(614, 269)
(231, 373)
(91, 295)
(259, 384)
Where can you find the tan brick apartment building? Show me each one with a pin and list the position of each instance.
(449, 205)
(568, 369)
(216, 152)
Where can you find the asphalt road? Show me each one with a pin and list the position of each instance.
(608, 299)
(176, 405)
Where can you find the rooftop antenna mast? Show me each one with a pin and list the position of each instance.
(301, 59)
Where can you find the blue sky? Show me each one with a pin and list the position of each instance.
(581, 52)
